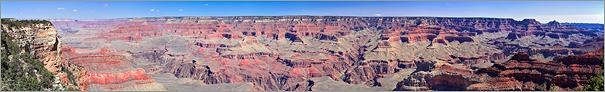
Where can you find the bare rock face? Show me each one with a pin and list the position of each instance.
(104, 70)
(443, 77)
(449, 82)
(40, 39)
(501, 83)
(568, 72)
(519, 73)
(416, 82)
(286, 52)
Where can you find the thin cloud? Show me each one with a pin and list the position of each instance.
(154, 10)
(60, 8)
(105, 5)
(75, 10)
(180, 10)
(378, 14)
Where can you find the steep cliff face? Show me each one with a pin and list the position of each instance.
(104, 70)
(564, 73)
(39, 39)
(286, 52)
(519, 73)
(33, 43)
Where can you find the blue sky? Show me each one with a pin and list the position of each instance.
(544, 11)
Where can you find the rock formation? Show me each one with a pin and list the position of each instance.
(568, 72)
(34, 44)
(288, 52)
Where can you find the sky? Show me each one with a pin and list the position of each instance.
(543, 11)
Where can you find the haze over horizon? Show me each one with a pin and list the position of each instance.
(543, 11)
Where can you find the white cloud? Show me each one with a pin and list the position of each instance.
(378, 14)
(75, 10)
(154, 10)
(60, 8)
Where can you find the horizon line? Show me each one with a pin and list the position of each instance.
(301, 16)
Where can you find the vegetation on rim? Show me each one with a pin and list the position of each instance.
(22, 71)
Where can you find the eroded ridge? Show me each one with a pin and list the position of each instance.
(303, 52)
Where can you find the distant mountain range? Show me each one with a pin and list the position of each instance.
(588, 26)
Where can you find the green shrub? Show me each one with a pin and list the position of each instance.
(70, 75)
(19, 75)
(21, 23)
(595, 83)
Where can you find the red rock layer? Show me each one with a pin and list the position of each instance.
(103, 68)
(567, 72)
(415, 28)
(269, 72)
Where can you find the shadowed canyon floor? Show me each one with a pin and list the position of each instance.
(327, 53)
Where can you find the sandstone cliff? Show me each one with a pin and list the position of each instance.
(35, 44)
(564, 73)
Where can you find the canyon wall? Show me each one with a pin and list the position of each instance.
(290, 52)
(35, 43)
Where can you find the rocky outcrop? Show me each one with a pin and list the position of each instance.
(519, 73)
(443, 77)
(105, 70)
(569, 72)
(39, 39)
(415, 82)
(501, 83)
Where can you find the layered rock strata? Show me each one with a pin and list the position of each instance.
(286, 52)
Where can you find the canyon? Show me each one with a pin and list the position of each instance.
(319, 53)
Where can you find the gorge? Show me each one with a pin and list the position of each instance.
(313, 53)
